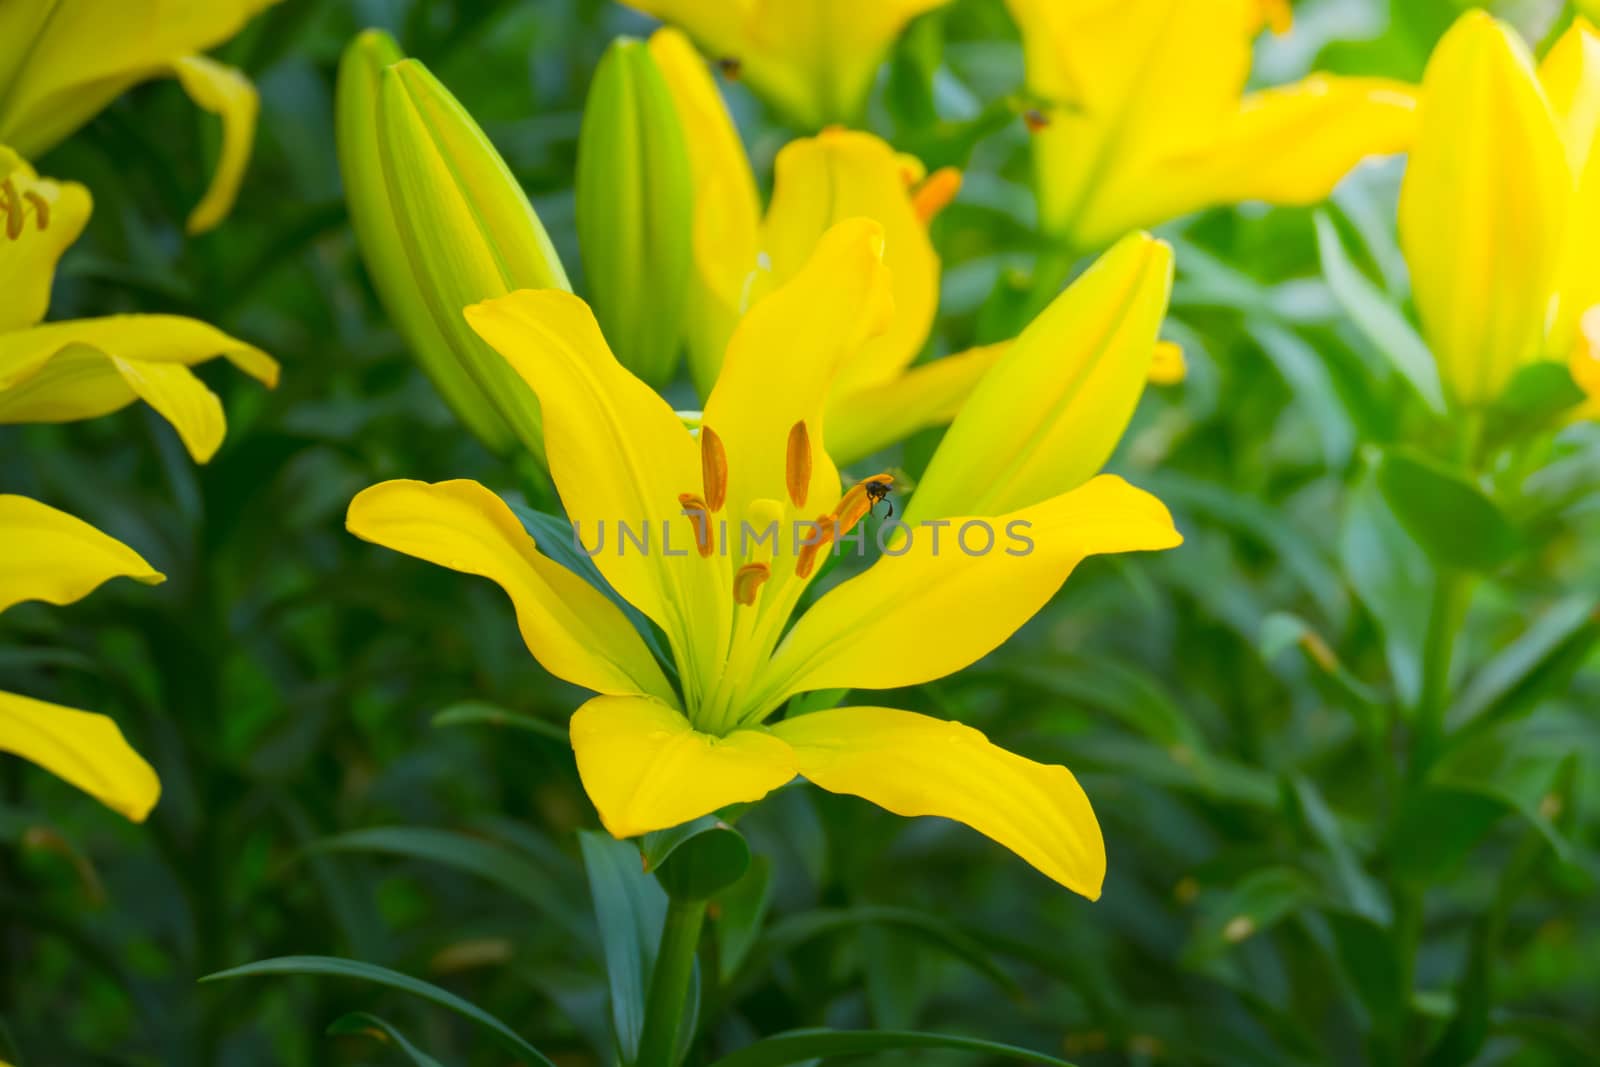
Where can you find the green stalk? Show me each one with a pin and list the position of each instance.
(669, 984)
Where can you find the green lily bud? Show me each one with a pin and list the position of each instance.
(441, 223)
(635, 204)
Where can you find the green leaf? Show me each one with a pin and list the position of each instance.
(485, 859)
(794, 930)
(364, 1024)
(1453, 520)
(1464, 1037)
(1366, 954)
(1377, 318)
(332, 967)
(630, 908)
(1435, 830)
(797, 1046)
(1258, 902)
(737, 915)
(1538, 664)
(1538, 398)
(1394, 579)
(1361, 893)
(480, 713)
(698, 859)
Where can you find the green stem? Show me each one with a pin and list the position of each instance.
(1451, 596)
(669, 984)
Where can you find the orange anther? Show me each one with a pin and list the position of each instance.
(713, 468)
(747, 582)
(797, 465)
(696, 510)
(934, 194)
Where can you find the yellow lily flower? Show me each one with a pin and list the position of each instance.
(1144, 117)
(813, 60)
(653, 753)
(63, 61)
(53, 557)
(1500, 207)
(64, 371)
(739, 255)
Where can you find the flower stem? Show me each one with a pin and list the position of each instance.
(669, 984)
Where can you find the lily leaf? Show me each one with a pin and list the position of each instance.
(697, 860)
(798, 1046)
(333, 967)
(1453, 520)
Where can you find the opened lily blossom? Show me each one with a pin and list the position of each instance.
(84, 368)
(1143, 115)
(663, 744)
(813, 60)
(1500, 208)
(740, 254)
(64, 61)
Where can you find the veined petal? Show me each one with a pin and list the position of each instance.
(228, 94)
(81, 369)
(1294, 144)
(618, 454)
(39, 218)
(911, 618)
(82, 749)
(1570, 75)
(843, 174)
(571, 628)
(54, 557)
(645, 768)
(782, 361)
(145, 338)
(915, 765)
(861, 422)
(1482, 208)
(727, 207)
(1048, 415)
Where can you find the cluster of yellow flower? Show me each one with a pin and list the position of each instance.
(60, 64)
(802, 322)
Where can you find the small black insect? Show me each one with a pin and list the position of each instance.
(730, 67)
(877, 491)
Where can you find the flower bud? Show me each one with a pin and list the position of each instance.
(442, 223)
(635, 207)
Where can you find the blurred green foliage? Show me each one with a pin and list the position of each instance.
(1241, 710)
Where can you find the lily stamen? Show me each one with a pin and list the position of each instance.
(747, 582)
(797, 467)
(713, 468)
(700, 515)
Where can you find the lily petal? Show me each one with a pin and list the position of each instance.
(915, 765)
(81, 748)
(645, 768)
(862, 422)
(910, 618)
(1570, 74)
(229, 95)
(81, 369)
(571, 628)
(1048, 415)
(618, 454)
(842, 174)
(1264, 153)
(727, 207)
(54, 557)
(1482, 208)
(782, 361)
(39, 219)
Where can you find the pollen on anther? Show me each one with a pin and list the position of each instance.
(797, 466)
(695, 509)
(747, 582)
(935, 193)
(807, 562)
(713, 468)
